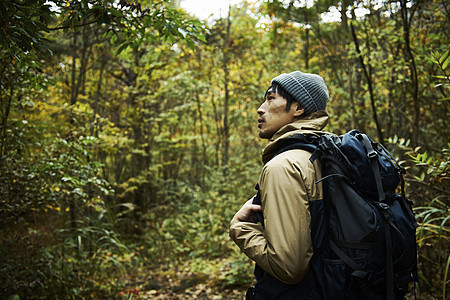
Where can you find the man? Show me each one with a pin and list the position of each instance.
(283, 246)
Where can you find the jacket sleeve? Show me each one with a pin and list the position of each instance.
(284, 247)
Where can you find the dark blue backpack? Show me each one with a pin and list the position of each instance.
(370, 245)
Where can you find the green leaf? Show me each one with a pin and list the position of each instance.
(441, 77)
(443, 56)
(446, 62)
(123, 47)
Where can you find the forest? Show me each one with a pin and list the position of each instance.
(128, 134)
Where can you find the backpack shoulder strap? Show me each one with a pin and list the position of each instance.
(299, 141)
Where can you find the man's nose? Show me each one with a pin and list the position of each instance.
(260, 110)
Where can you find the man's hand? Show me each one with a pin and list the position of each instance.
(247, 211)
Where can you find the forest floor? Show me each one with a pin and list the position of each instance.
(174, 284)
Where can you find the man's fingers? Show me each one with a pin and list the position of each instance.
(255, 208)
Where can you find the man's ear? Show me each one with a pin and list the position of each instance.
(298, 111)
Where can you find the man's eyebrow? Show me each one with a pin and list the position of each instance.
(270, 93)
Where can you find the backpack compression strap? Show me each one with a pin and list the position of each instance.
(372, 155)
(389, 263)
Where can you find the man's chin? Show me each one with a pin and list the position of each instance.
(264, 135)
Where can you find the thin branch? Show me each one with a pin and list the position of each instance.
(73, 26)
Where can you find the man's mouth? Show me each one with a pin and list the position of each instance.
(260, 123)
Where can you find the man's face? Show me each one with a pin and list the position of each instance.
(273, 115)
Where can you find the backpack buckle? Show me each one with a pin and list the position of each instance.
(362, 275)
(383, 206)
(372, 154)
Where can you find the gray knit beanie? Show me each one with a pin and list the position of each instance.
(309, 90)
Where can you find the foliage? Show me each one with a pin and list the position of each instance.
(128, 135)
(428, 180)
(442, 61)
(23, 24)
(129, 24)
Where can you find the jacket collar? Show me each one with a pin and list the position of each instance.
(309, 125)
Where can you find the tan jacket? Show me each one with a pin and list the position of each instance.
(287, 183)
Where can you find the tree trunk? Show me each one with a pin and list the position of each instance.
(226, 125)
(306, 49)
(5, 116)
(369, 83)
(412, 64)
